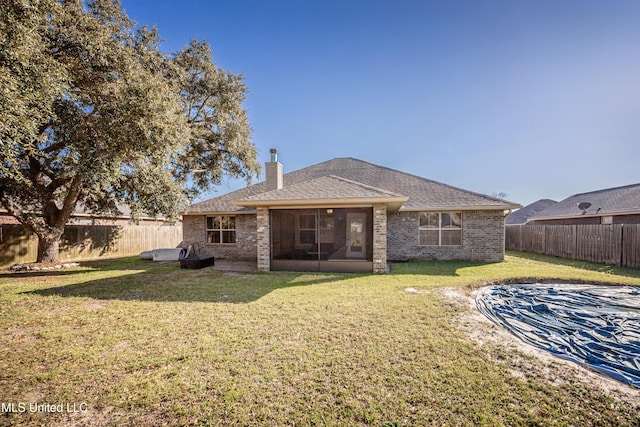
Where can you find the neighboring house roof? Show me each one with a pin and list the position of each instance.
(345, 178)
(80, 211)
(610, 201)
(521, 216)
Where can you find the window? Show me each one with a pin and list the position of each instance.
(221, 229)
(440, 228)
(307, 229)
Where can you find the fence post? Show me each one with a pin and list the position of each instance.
(575, 241)
(520, 240)
(589, 242)
(621, 244)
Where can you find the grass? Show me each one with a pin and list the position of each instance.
(146, 344)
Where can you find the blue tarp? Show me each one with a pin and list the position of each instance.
(594, 325)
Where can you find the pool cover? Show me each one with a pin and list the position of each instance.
(597, 326)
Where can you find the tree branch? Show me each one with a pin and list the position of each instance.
(69, 202)
(202, 105)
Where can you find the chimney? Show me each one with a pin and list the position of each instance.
(273, 170)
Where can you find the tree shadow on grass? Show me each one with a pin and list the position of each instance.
(434, 268)
(171, 284)
(107, 264)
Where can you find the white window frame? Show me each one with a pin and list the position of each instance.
(440, 229)
(220, 230)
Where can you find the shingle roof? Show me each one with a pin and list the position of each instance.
(422, 193)
(618, 200)
(324, 187)
(521, 216)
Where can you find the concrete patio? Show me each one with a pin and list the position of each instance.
(234, 265)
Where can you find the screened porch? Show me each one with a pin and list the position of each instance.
(323, 239)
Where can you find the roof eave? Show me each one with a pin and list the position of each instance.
(461, 208)
(587, 215)
(393, 203)
(221, 212)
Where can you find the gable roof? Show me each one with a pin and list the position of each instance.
(610, 201)
(322, 189)
(521, 216)
(351, 176)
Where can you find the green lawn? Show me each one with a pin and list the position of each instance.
(147, 344)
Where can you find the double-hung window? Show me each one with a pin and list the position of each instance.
(440, 228)
(221, 229)
(307, 229)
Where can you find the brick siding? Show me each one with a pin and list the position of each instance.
(482, 238)
(195, 233)
(396, 234)
(263, 235)
(379, 239)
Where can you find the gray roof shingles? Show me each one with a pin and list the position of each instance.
(324, 187)
(521, 216)
(422, 193)
(616, 200)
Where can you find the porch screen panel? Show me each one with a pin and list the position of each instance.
(294, 234)
(320, 234)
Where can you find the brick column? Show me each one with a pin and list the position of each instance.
(263, 241)
(379, 238)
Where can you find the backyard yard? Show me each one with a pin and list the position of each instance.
(130, 342)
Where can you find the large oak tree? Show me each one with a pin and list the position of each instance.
(93, 113)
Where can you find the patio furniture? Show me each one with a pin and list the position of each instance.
(194, 261)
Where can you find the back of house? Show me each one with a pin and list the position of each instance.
(347, 215)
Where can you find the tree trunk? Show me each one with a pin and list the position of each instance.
(48, 246)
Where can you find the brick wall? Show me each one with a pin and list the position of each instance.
(194, 232)
(263, 232)
(379, 239)
(482, 238)
(482, 235)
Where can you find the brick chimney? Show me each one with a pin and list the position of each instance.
(273, 171)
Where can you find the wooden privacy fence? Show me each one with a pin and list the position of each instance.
(85, 242)
(616, 244)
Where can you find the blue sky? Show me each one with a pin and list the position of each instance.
(537, 99)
